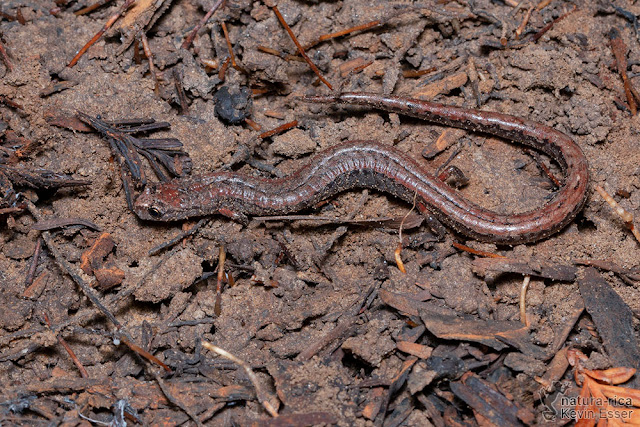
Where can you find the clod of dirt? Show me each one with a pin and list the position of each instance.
(17, 316)
(233, 105)
(523, 363)
(371, 347)
(294, 143)
(21, 247)
(174, 275)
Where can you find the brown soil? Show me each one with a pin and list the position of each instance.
(295, 281)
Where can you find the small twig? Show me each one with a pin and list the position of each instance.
(152, 69)
(144, 353)
(550, 25)
(626, 216)
(544, 168)
(91, 8)
(5, 57)
(187, 42)
(5, 211)
(418, 73)
(52, 223)
(279, 129)
(6, 101)
(342, 329)
(127, 4)
(178, 238)
(253, 125)
(63, 343)
(620, 53)
(299, 46)
(282, 55)
(523, 304)
(226, 37)
(524, 22)
(542, 5)
(341, 33)
(475, 251)
(222, 256)
(7, 16)
(34, 264)
(262, 395)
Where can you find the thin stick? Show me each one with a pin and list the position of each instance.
(547, 27)
(523, 304)
(542, 5)
(149, 55)
(341, 33)
(127, 4)
(619, 49)
(255, 126)
(524, 22)
(91, 8)
(226, 37)
(279, 129)
(5, 57)
(34, 264)
(63, 343)
(262, 395)
(222, 256)
(475, 251)
(187, 42)
(178, 238)
(144, 353)
(299, 46)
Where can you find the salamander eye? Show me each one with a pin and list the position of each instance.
(154, 212)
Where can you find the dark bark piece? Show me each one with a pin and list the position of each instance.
(491, 333)
(613, 319)
(565, 273)
(490, 403)
(521, 339)
(396, 384)
(399, 414)
(40, 178)
(402, 302)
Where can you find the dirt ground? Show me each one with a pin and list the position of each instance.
(317, 307)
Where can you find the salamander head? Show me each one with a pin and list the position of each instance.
(162, 202)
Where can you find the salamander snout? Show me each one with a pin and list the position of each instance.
(149, 207)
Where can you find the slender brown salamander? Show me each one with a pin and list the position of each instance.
(364, 164)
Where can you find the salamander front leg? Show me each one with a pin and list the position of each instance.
(434, 223)
(235, 216)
